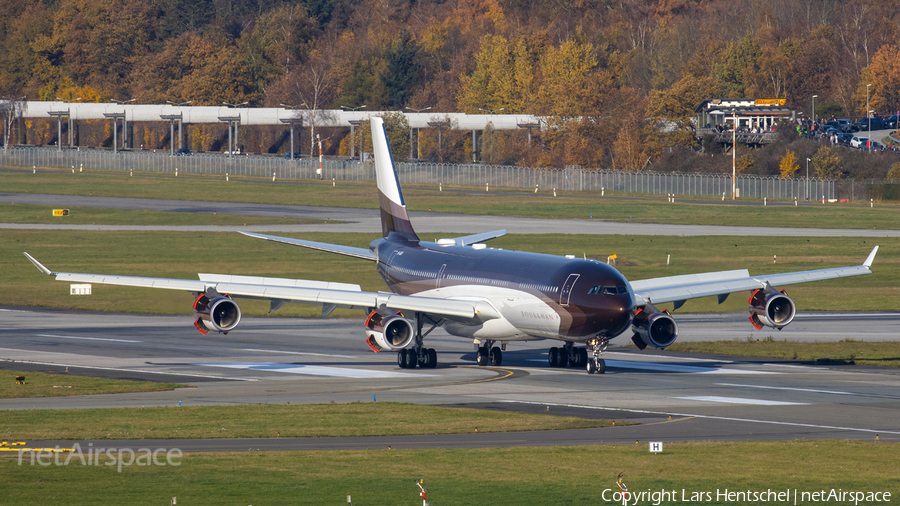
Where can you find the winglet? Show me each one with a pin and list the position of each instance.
(39, 265)
(868, 263)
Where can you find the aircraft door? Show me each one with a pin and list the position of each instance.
(437, 282)
(567, 289)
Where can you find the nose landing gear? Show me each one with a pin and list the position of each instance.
(595, 364)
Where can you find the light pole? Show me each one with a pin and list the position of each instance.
(418, 148)
(733, 153)
(353, 124)
(868, 119)
(807, 179)
(814, 108)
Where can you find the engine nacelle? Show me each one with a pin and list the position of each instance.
(220, 314)
(771, 308)
(390, 333)
(653, 328)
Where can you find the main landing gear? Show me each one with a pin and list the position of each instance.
(418, 355)
(488, 353)
(569, 355)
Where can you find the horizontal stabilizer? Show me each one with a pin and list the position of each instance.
(471, 239)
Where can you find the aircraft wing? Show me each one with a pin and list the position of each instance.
(678, 289)
(362, 253)
(279, 291)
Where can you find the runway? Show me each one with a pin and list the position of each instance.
(281, 360)
(368, 220)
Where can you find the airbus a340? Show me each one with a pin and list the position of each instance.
(491, 296)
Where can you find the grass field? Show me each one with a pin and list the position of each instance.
(504, 476)
(24, 213)
(299, 420)
(843, 352)
(183, 255)
(511, 202)
(38, 384)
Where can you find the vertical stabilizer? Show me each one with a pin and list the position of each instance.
(390, 198)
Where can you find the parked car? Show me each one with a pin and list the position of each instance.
(876, 124)
(296, 156)
(890, 121)
(876, 146)
(833, 124)
(849, 128)
(844, 139)
(857, 141)
(184, 152)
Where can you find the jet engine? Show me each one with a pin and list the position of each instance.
(771, 308)
(220, 314)
(653, 328)
(390, 333)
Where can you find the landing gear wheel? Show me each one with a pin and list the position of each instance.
(601, 366)
(409, 359)
(591, 367)
(582, 357)
(481, 356)
(496, 356)
(401, 359)
(553, 356)
(422, 359)
(432, 358)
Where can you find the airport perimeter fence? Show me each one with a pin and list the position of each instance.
(475, 175)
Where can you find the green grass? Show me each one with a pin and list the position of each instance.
(183, 255)
(503, 476)
(39, 384)
(848, 351)
(511, 202)
(26, 213)
(299, 420)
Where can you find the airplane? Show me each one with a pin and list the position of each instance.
(485, 294)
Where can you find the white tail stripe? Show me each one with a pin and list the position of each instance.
(385, 173)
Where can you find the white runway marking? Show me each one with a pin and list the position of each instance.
(787, 388)
(89, 338)
(667, 367)
(297, 353)
(711, 417)
(314, 370)
(740, 400)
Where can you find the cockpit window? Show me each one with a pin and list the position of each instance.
(607, 290)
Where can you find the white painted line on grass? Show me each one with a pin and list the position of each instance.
(788, 388)
(740, 400)
(711, 417)
(315, 370)
(89, 338)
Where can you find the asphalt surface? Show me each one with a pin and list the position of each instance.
(368, 220)
(296, 360)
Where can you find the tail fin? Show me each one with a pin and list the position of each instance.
(393, 208)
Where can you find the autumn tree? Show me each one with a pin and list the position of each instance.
(672, 111)
(739, 57)
(827, 163)
(788, 166)
(885, 78)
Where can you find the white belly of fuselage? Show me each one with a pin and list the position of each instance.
(524, 315)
